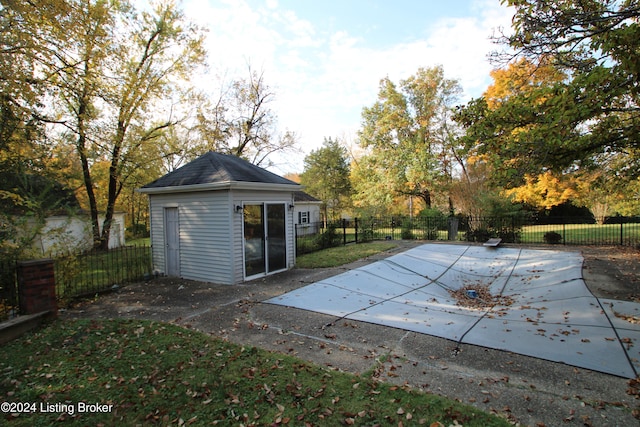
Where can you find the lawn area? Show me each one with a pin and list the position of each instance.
(585, 234)
(150, 373)
(140, 241)
(340, 255)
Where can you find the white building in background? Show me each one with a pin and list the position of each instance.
(306, 213)
(70, 233)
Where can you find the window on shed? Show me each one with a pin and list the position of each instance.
(303, 217)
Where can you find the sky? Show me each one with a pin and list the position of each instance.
(325, 59)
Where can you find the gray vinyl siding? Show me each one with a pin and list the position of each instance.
(204, 234)
(237, 248)
(211, 232)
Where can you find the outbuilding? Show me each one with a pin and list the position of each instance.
(221, 219)
(306, 213)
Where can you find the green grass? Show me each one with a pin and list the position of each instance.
(340, 255)
(161, 374)
(574, 234)
(80, 274)
(586, 234)
(139, 241)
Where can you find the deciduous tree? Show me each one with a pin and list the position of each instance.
(584, 120)
(505, 127)
(409, 138)
(242, 122)
(164, 51)
(326, 177)
(109, 70)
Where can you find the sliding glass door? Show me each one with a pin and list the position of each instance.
(254, 248)
(265, 247)
(276, 239)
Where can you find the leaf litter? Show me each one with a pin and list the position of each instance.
(482, 297)
(155, 373)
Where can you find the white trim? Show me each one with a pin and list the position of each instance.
(265, 231)
(227, 185)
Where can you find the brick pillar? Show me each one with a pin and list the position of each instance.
(37, 287)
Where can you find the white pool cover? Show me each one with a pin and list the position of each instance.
(547, 310)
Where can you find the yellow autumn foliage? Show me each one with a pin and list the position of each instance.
(544, 191)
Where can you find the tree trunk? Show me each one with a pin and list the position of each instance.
(112, 192)
(86, 173)
(93, 206)
(426, 196)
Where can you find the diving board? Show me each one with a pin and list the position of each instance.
(492, 242)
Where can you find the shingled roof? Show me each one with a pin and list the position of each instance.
(301, 196)
(214, 170)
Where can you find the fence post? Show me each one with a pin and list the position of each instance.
(356, 227)
(37, 287)
(393, 228)
(621, 233)
(344, 232)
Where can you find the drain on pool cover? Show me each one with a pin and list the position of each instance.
(478, 297)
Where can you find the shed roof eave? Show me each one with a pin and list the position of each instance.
(227, 185)
(308, 202)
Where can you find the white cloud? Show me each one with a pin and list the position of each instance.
(236, 34)
(323, 80)
(332, 99)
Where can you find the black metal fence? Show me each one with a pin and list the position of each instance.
(81, 274)
(567, 231)
(98, 271)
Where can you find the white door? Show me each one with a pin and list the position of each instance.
(172, 242)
